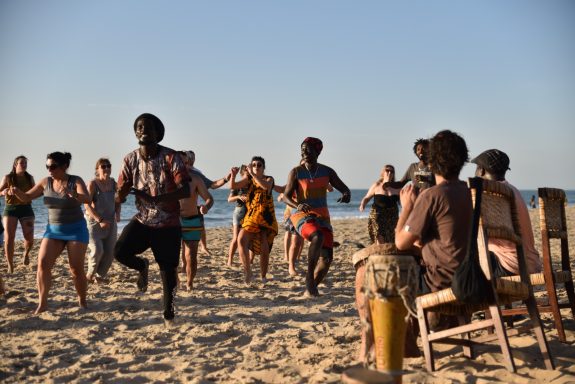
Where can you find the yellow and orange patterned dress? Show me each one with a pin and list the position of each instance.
(260, 215)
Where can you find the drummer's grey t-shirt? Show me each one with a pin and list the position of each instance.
(441, 218)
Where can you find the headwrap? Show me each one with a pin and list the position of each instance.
(158, 125)
(315, 142)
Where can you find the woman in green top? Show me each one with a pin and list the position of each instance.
(18, 211)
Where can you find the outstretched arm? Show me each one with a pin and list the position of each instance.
(207, 196)
(368, 196)
(340, 186)
(290, 188)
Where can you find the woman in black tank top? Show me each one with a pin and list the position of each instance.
(384, 211)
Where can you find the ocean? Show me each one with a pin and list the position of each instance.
(221, 213)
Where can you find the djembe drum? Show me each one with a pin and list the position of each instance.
(390, 286)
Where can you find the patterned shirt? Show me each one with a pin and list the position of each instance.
(312, 190)
(156, 176)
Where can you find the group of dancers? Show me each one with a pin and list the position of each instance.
(166, 190)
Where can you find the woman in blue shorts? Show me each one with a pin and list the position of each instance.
(64, 195)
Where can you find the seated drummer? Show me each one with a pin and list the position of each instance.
(438, 220)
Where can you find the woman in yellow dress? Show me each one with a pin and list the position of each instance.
(259, 227)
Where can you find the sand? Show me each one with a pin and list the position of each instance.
(226, 332)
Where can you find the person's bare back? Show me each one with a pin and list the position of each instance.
(189, 205)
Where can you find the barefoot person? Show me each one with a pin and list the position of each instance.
(259, 227)
(309, 181)
(64, 195)
(192, 220)
(102, 214)
(239, 197)
(193, 171)
(18, 211)
(158, 178)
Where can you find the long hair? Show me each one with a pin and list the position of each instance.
(12, 174)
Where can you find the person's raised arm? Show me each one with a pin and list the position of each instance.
(290, 188)
(368, 196)
(221, 182)
(79, 192)
(265, 182)
(33, 193)
(207, 196)
(3, 185)
(240, 183)
(336, 182)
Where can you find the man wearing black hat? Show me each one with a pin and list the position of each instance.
(493, 164)
(158, 178)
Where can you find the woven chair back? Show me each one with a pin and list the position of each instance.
(498, 212)
(552, 212)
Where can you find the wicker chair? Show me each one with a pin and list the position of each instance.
(494, 216)
(553, 225)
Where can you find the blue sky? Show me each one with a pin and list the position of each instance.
(232, 79)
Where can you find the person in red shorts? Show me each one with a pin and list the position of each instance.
(309, 182)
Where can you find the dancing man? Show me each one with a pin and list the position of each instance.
(158, 178)
(309, 181)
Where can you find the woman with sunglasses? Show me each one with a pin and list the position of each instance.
(259, 227)
(18, 211)
(102, 214)
(384, 211)
(64, 195)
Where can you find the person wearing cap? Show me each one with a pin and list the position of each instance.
(309, 182)
(493, 164)
(158, 178)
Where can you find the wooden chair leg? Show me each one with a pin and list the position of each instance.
(509, 319)
(556, 311)
(468, 347)
(538, 329)
(571, 296)
(424, 332)
(502, 336)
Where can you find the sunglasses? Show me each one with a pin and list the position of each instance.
(52, 166)
(106, 166)
(389, 170)
(257, 165)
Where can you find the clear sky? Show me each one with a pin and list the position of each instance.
(232, 79)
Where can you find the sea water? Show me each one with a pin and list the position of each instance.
(220, 215)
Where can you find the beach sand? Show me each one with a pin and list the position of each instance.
(226, 332)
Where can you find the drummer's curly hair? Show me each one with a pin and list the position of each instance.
(447, 154)
(424, 142)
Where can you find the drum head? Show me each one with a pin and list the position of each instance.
(360, 375)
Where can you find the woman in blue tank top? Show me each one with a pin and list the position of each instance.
(64, 195)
